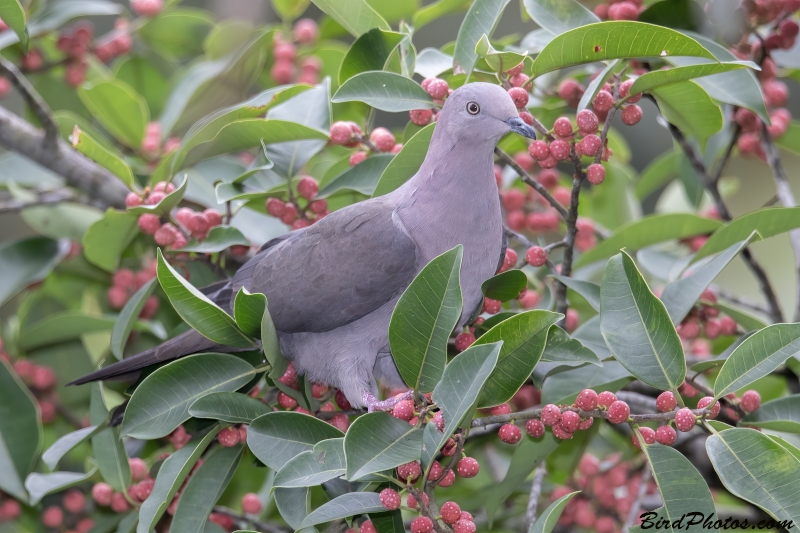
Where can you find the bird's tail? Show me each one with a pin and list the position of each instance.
(185, 344)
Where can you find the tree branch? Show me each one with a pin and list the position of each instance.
(597, 413)
(43, 198)
(536, 492)
(507, 159)
(32, 98)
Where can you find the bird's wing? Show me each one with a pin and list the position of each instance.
(340, 269)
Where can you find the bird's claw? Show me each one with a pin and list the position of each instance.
(373, 404)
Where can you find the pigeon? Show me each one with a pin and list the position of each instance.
(332, 286)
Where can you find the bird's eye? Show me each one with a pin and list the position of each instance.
(473, 108)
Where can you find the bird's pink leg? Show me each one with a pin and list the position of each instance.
(373, 404)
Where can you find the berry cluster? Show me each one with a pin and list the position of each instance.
(41, 380)
(619, 10)
(125, 282)
(329, 399)
(10, 509)
(76, 42)
(152, 148)
(349, 135)
(286, 68)
(116, 43)
(291, 212)
(71, 514)
(705, 319)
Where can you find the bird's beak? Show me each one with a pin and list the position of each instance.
(518, 125)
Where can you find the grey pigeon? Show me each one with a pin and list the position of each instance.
(332, 287)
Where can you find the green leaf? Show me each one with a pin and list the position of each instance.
(505, 286)
(145, 77)
(308, 469)
(767, 222)
(746, 320)
(563, 349)
(198, 311)
(161, 402)
(66, 220)
(248, 310)
(760, 354)
(565, 386)
(549, 517)
(782, 414)
(277, 437)
(790, 141)
(204, 489)
(558, 16)
(356, 16)
(166, 205)
(178, 33)
(270, 345)
(435, 10)
(107, 447)
(289, 10)
(60, 327)
(386, 91)
(498, 61)
(219, 238)
(105, 157)
(120, 109)
(377, 442)
(757, 469)
(40, 485)
(457, 393)
(368, 52)
(350, 504)
(388, 522)
(589, 290)
(653, 230)
(293, 504)
(689, 107)
(524, 336)
(20, 432)
(232, 407)
(637, 328)
(657, 78)
(362, 178)
(481, 19)
(661, 170)
(13, 14)
(431, 62)
(171, 476)
(406, 163)
(64, 444)
(127, 318)
(423, 319)
(683, 489)
(26, 261)
(614, 40)
(680, 295)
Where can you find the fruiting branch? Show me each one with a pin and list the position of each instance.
(507, 159)
(33, 99)
(595, 413)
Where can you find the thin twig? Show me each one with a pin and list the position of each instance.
(507, 159)
(725, 295)
(634, 512)
(43, 198)
(32, 98)
(536, 492)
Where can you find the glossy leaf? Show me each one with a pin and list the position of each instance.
(40, 485)
(760, 354)
(362, 178)
(307, 469)
(683, 489)
(178, 33)
(680, 295)
(369, 52)
(25, 261)
(549, 517)
(386, 91)
(558, 16)
(423, 319)
(689, 107)
(757, 469)
(345, 505)
(589, 290)
(128, 316)
(652, 230)
(657, 78)
(565, 386)
(767, 222)
(20, 432)
(219, 238)
(232, 407)
(204, 489)
(121, 111)
(660, 171)
(198, 311)
(161, 401)
(293, 504)
(563, 349)
(505, 286)
(406, 163)
(782, 414)
(481, 19)
(524, 336)
(614, 40)
(637, 328)
(277, 437)
(108, 448)
(377, 441)
(356, 16)
(790, 141)
(105, 157)
(431, 62)
(63, 445)
(435, 10)
(60, 327)
(52, 17)
(457, 393)
(248, 310)
(13, 14)
(497, 60)
(170, 477)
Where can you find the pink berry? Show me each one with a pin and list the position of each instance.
(52, 517)
(519, 96)
(535, 428)
(666, 402)
(166, 235)
(307, 187)
(492, 306)
(666, 435)
(705, 402)
(684, 419)
(138, 469)
(421, 117)
(603, 101)
(536, 256)
(618, 412)
(357, 158)
(464, 340)
(421, 524)
(467, 516)
(101, 493)
(390, 499)
(275, 207)
(596, 173)
(118, 503)
(648, 435)
(562, 127)
(409, 471)
(198, 225)
(404, 410)
(147, 8)
(589, 465)
(526, 117)
(623, 11)
(570, 421)
(539, 149)
(133, 200)
(570, 91)
(411, 501)
(5, 86)
(587, 121)
(451, 512)
(624, 90)
(560, 433)
(518, 69)
(548, 177)
(551, 414)
(606, 398)
(559, 149)
(117, 297)
(341, 133)
(368, 527)
(513, 199)
(728, 325)
(468, 467)
(509, 433)
(631, 115)
(74, 501)
(149, 224)
(282, 71)
(776, 93)
(213, 217)
(251, 504)
(751, 401)
(228, 437)
(590, 144)
(464, 526)
(586, 424)
(519, 80)
(43, 378)
(586, 400)
(437, 88)
(448, 480)
(382, 139)
(306, 31)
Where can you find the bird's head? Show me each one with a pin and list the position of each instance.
(482, 111)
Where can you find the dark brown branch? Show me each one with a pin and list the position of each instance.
(32, 98)
(507, 159)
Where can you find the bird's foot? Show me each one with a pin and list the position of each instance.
(373, 404)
